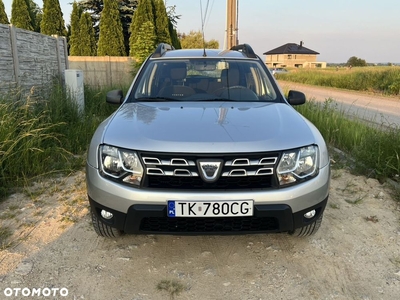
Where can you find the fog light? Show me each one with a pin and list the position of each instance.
(310, 214)
(106, 214)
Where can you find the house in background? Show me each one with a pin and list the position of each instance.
(292, 55)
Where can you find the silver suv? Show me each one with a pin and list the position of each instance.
(205, 142)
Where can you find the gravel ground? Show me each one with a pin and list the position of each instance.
(354, 255)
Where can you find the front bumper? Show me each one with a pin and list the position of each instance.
(144, 211)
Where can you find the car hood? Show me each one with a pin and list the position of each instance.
(204, 127)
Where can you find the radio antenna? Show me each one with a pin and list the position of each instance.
(202, 25)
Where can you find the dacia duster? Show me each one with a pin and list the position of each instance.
(205, 142)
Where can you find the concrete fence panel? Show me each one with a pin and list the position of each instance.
(104, 71)
(30, 59)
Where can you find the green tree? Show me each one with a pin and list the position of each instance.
(153, 11)
(145, 42)
(172, 22)
(87, 40)
(74, 31)
(36, 14)
(126, 9)
(52, 21)
(111, 39)
(354, 61)
(3, 15)
(143, 14)
(175, 42)
(194, 40)
(20, 16)
(161, 22)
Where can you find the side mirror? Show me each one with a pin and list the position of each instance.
(296, 98)
(115, 97)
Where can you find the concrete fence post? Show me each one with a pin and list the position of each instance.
(58, 53)
(65, 52)
(14, 50)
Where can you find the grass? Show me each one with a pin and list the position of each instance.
(384, 80)
(374, 149)
(5, 233)
(172, 287)
(43, 133)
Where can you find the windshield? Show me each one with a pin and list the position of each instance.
(203, 79)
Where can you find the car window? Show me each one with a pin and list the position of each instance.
(203, 79)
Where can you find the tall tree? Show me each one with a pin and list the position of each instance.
(76, 13)
(53, 21)
(172, 22)
(153, 11)
(36, 14)
(175, 42)
(143, 14)
(20, 15)
(145, 42)
(87, 40)
(126, 9)
(111, 39)
(194, 40)
(161, 22)
(3, 15)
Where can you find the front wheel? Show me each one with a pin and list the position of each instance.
(102, 229)
(309, 229)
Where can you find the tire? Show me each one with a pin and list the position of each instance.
(309, 229)
(102, 229)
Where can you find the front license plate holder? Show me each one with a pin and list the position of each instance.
(234, 208)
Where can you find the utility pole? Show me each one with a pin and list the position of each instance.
(231, 36)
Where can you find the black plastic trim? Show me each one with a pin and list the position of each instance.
(131, 222)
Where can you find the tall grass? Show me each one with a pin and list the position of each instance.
(384, 80)
(45, 133)
(376, 149)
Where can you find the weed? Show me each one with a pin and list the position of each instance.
(13, 207)
(45, 135)
(334, 205)
(356, 201)
(395, 261)
(336, 174)
(172, 287)
(375, 150)
(5, 233)
(348, 188)
(8, 215)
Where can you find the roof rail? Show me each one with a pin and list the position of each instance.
(161, 49)
(246, 49)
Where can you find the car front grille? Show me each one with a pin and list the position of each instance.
(239, 171)
(206, 225)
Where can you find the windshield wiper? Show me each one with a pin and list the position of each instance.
(216, 99)
(155, 99)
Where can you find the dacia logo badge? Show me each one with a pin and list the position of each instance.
(210, 169)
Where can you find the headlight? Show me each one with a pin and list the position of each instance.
(121, 164)
(298, 165)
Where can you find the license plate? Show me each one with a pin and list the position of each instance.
(210, 208)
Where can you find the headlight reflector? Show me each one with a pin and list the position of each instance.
(121, 164)
(298, 164)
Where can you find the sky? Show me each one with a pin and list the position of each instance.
(336, 29)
